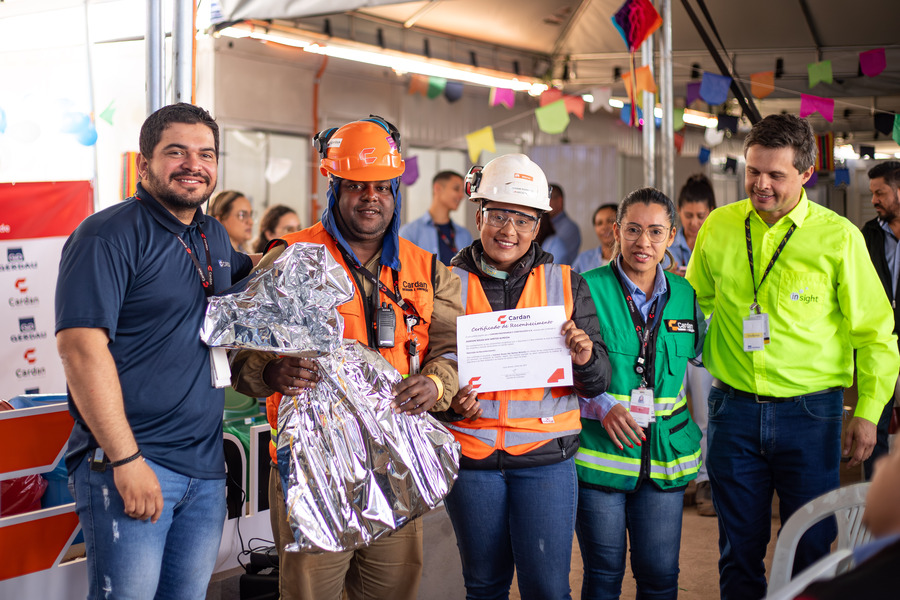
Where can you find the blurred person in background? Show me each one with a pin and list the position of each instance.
(233, 210)
(604, 218)
(276, 222)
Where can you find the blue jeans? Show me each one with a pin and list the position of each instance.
(170, 559)
(653, 521)
(515, 519)
(793, 448)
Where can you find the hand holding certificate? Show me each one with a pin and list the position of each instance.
(519, 349)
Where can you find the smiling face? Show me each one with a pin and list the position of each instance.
(366, 209)
(773, 182)
(692, 215)
(504, 247)
(239, 221)
(181, 172)
(604, 221)
(640, 256)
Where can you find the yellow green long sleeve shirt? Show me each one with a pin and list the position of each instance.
(823, 298)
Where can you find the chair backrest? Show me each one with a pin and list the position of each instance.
(846, 504)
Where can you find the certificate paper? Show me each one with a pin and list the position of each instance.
(513, 349)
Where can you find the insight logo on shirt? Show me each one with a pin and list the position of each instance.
(801, 296)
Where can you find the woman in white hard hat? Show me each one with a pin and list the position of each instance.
(513, 505)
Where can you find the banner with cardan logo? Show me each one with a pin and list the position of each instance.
(35, 220)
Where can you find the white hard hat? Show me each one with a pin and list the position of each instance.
(511, 178)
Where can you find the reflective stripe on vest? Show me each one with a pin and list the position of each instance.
(519, 421)
(621, 465)
(674, 469)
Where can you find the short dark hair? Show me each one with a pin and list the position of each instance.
(782, 131)
(556, 188)
(697, 189)
(269, 222)
(220, 207)
(889, 171)
(155, 124)
(445, 176)
(610, 206)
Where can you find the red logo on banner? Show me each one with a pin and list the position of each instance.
(502, 319)
(20, 285)
(29, 356)
(556, 376)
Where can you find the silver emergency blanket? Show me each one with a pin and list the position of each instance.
(289, 307)
(350, 468)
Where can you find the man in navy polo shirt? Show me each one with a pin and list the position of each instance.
(145, 457)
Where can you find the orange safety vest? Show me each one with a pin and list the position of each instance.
(416, 281)
(519, 421)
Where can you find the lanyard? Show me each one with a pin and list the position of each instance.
(207, 282)
(644, 364)
(755, 306)
(412, 315)
(448, 240)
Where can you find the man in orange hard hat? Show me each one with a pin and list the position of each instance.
(395, 282)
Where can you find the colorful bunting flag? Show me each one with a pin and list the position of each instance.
(896, 135)
(453, 91)
(626, 115)
(841, 177)
(108, 112)
(872, 62)
(502, 96)
(552, 118)
(411, 173)
(825, 155)
(483, 139)
(636, 20)
(601, 96)
(678, 118)
(703, 157)
(129, 174)
(727, 123)
(436, 87)
(811, 104)
(819, 71)
(550, 96)
(812, 181)
(865, 151)
(714, 88)
(693, 92)
(730, 165)
(762, 84)
(575, 106)
(644, 77)
(418, 84)
(678, 140)
(713, 137)
(884, 123)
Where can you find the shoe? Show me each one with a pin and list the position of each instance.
(703, 498)
(690, 493)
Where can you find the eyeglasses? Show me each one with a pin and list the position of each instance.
(244, 215)
(499, 217)
(657, 234)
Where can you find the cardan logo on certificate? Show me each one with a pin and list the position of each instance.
(513, 350)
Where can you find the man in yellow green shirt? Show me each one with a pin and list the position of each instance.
(791, 300)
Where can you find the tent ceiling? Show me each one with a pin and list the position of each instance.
(542, 35)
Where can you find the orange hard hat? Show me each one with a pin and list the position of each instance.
(366, 150)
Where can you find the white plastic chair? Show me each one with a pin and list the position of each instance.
(846, 504)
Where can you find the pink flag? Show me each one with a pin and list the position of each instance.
(811, 104)
(550, 96)
(575, 106)
(504, 96)
(872, 62)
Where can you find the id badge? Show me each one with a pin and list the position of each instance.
(219, 367)
(756, 332)
(642, 406)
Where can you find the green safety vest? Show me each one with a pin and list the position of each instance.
(674, 439)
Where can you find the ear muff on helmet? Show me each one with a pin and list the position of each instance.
(389, 127)
(360, 150)
(320, 141)
(473, 179)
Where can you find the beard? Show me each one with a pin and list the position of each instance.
(165, 194)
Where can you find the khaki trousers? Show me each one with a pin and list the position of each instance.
(389, 569)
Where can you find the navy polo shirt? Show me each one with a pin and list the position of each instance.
(124, 270)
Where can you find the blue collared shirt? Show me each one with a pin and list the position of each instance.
(680, 249)
(424, 233)
(891, 254)
(565, 243)
(589, 259)
(597, 407)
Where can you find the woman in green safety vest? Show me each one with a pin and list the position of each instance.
(639, 446)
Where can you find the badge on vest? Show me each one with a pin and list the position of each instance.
(641, 407)
(681, 325)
